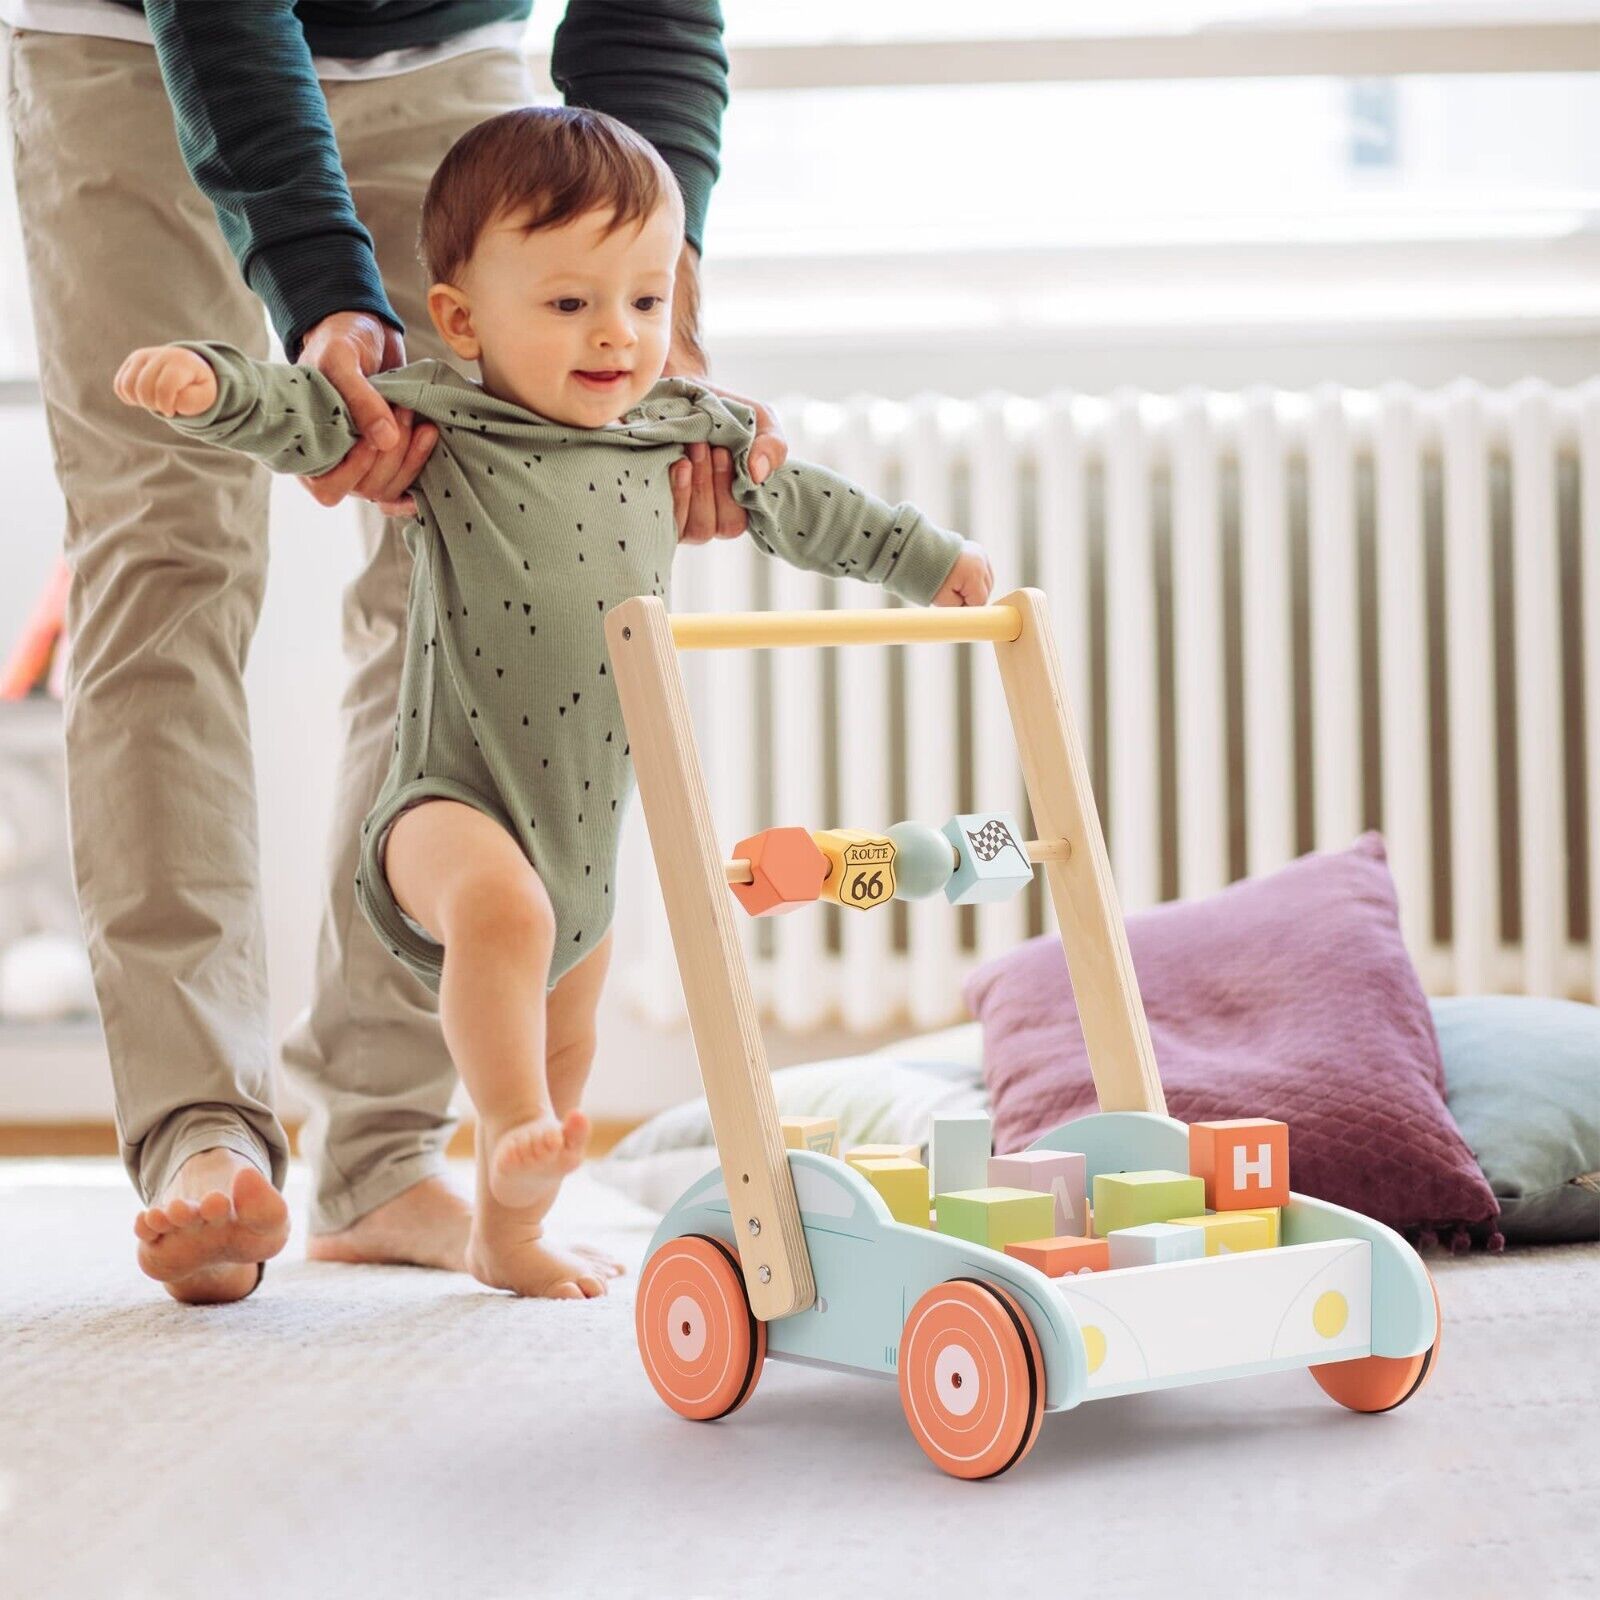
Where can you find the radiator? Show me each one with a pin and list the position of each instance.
(1284, 618)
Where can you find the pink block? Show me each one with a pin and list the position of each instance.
(1054, 1172)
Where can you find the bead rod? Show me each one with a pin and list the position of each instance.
(738, 870)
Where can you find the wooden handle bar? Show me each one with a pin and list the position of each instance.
(738, 870)
(767, 630)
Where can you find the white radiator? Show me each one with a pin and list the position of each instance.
(1283, 617)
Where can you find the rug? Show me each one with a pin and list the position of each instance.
(398, 1433)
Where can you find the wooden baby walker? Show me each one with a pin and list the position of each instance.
(997, 1293)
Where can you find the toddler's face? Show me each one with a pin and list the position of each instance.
(569, 322)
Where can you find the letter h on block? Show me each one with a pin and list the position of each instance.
(1245, 1162)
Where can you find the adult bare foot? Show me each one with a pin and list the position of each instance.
(423, 1226)
(216, 1222)
(426, 1225)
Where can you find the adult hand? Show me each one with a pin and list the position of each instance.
(702, 483)
(345, 348)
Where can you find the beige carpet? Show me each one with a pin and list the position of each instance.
(396, 1433)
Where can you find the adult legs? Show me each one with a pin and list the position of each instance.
(166, 540)
(368, 1052)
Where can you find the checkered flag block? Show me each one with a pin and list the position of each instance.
(991, 839)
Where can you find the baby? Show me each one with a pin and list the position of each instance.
(488, 863)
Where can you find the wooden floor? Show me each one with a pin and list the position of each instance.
(100, 1138)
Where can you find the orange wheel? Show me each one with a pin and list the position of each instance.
(702, 1346)
(971, 1378)
(1380, 1383)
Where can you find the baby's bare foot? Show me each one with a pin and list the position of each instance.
(528, 1161)
(510, 1255)
(423, 1226)
(215, 1223)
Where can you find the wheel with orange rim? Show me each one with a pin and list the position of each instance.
(1380, 1383)
(972, 1380)
(702, 1346)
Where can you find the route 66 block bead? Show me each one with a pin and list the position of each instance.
(993, 866)
(860, 867)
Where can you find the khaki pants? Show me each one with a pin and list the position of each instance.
(167, 542)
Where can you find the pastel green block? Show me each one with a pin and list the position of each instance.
(996, 1217)
(1131, 1199)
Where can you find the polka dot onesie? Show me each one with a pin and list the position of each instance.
(527, 532)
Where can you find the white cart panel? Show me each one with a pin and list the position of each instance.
(1223, 1316)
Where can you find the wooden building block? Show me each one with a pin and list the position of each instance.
(995, 1217)
(1244, 1162)
(960, 1150)
(1229, 1232)
(1063, 1257)
(1127, 1199)
(1273, 1216)
(819, 1134)
(1152, 1242)
(883, 1152)
(1054, 1172)
(902, 1184)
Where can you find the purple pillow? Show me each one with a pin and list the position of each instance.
(1289, 996)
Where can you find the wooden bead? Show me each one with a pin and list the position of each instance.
(923, 860)
(786, 870)
(860, 867)
(994, 866)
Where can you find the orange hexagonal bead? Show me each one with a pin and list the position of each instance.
(786, 870)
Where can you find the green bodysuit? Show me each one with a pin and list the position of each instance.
(527, 532)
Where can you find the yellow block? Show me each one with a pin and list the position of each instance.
(883, 1152)
(903, 1185)
(1272, 1216)
(1228, 1232)
(820, 1134)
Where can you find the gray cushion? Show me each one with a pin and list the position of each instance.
(1522, 1080)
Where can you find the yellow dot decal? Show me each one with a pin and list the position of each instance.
(1094, 1346)
(1330, 1313)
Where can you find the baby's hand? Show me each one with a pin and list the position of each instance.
(970, 580)
(168, 380)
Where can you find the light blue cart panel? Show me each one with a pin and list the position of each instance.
(870, 1270)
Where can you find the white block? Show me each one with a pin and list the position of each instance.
(1154, 1241)
(960, 1150)
(1053, 1172)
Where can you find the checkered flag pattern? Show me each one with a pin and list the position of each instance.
(991, 839)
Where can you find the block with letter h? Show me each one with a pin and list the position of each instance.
(1244, 1162)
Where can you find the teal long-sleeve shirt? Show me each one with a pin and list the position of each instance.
(254, 131)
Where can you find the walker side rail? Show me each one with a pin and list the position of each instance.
(643, 641)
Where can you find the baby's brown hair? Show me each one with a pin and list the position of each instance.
(546, 164)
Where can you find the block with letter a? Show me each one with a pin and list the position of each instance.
(1058, 1173)
(1244, 1162)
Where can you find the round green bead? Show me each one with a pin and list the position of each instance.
(923, 860)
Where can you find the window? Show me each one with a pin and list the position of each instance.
(1160, 194)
